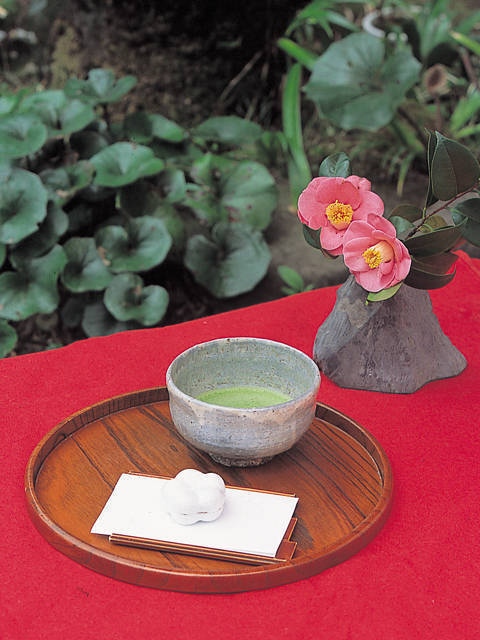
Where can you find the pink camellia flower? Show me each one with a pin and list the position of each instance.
(332, 204)
(374, 255)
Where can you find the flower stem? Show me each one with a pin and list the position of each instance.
(445, 205)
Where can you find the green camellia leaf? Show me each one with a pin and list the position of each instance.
(312, 236)
(432, 272)
(408, 212)
(232, 262)
(229, 130)
(21, 135)
(33, 287)
(85, 270)
(142, 244)
(437, 241)
(123, 163)
(23, 205)
(60, 114)
(126, 299)
(471, 232)
(469, 208)
(453, 169)
(335, 165)
(439, 264)
(249, 194)
(8, 338)
(100, 87)
(384, 294)
(356, 85)
(402, 225)
(418, 278)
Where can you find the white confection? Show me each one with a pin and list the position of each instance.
(193, 496)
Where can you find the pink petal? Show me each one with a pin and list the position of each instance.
(370, 204)
(369, 280)
(360, 183)
(331, 240)
(310, 211)
(339, 189)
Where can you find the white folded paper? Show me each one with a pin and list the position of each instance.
(252, 522)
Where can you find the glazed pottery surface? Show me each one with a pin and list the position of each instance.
(237, 436)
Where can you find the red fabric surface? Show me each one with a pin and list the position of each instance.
(418, 579)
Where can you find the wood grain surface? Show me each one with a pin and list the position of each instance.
(338, 470)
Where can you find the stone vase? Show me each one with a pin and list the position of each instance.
(394, 346)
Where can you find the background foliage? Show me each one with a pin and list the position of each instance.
(123, 163)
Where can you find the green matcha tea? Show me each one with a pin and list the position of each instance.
(244, 397)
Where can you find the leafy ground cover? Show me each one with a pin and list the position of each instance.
(191, 66)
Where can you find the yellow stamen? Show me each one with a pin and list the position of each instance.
(340, 215)
(380, 252)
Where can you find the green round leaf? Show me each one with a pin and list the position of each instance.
(63, 183)
(138, 128)
(33, 287)
(85, 270)
(139, 199)
(21, 135)
(167, 130)
(142, 244)
(97, 321)
(100, 87)
(23, 205)
(208, 169)
(230, 130)
(232, 262)
(88, 142)
(356, 85)
(8, 338)
(249, 194)
(173, 184)
(127, 299)
(60, 114)
(49, 232)
(123, 163)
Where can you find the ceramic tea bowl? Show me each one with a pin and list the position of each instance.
(271, 389)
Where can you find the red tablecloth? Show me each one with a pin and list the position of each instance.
(418, 579)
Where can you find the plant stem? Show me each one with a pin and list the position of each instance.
(445, 205)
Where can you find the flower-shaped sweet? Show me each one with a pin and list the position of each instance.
(193, 496)
(374, 255)
(332, 204)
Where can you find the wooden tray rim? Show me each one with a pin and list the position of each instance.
(246, 578)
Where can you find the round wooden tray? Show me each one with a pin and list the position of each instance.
(338, 470)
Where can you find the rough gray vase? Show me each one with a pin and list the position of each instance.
(394, 346)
